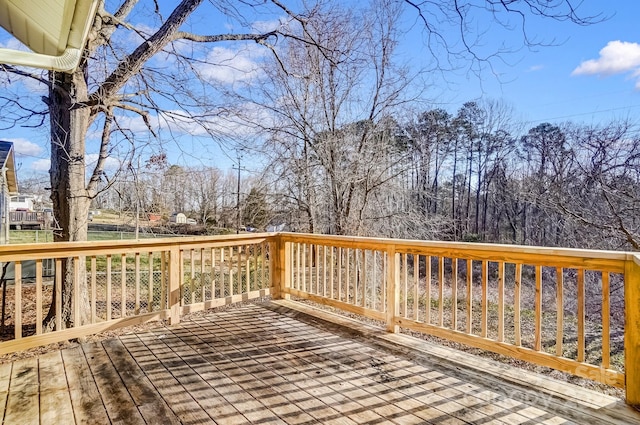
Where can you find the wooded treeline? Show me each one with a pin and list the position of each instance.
(469, 176)
(473, 175)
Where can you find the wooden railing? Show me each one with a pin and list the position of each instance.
(558, 308)
(122, 283)
(571, 310)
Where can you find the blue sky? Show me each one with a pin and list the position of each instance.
(589, 74)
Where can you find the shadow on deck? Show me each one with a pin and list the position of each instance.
(284, 363)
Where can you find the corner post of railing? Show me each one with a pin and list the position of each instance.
(174, 285)
(392, 307)
(278, 250)
(632, 329)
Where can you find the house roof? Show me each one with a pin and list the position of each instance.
(55, 31)
(7, 161)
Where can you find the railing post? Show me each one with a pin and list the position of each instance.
(174, 285)
(279, 259)
(393, 288)
(632, 329)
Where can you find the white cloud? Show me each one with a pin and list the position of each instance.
(267, 26)
(535, 68)
(41, 165)
(236, 124)
(617, 57)
(134, 123)
(111, 164)
(25, 147)
(229, 66)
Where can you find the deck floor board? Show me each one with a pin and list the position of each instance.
(270, 364)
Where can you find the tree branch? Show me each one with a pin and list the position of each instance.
(131, 65)
(258, 38)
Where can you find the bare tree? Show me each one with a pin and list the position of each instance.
(116, 82)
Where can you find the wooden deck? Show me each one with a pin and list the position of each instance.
(277, 363)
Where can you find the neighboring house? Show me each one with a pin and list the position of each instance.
(9, 184)
(22, 203)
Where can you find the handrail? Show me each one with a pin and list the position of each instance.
(123, 283)
(530, 303)
(555, 307)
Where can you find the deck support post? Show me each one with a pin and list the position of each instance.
(632, 329)
(280, 266)
(392, 307)
(174, 285)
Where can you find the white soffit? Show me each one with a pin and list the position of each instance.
(54, 30)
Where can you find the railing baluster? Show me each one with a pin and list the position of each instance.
(247, 269)
(485, 298)
(347, 275)
(392, 306)
(150, 283)
(416, 284)
(606, 316)
(181, 284)
(263, 265)
(317, 264)
(324, 270)
(516, 304)
(427, 279)
(254, 259)
(108, 289)
(469, 296)
(123, 285)
(581, 316)
(310, 267)
(363, 279)
(94, 289)
(441, 291)
(222, 287)
(303, 266)
(559, 311)
(231, 271)
(454, 294)
(192, 275)
(202, 272)
(76, 292)
(297, 281)
(501, 301)
(38, 296)
(58, 297)
(212, 253)
(175, 280)
(17, 299)
(137, 283)
(340, 273)
(537, 345)
(405, 284)
(374, 281)
(385, 280)
(354, 283)
(331, 272)
(240, 284)
(164, 282)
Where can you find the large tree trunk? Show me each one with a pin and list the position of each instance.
(69, 123)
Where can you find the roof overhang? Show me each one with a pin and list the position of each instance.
(55, 31)
(8, 166)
